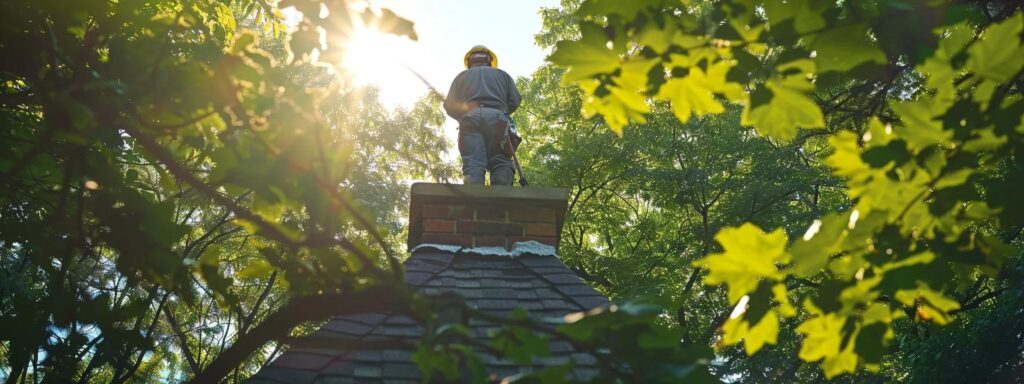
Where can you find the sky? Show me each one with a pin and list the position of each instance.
(447, 29)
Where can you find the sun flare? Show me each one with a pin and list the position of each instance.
(372, 57)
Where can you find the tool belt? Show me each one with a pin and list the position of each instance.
(471, 105)
(508, 136)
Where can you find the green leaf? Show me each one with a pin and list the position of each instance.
(695, 93)
(258, 268)
(159, 223)
(689, 96)
(884, 156)
(211, 271)
(659, 338)
(389, 22)
(586, 57)
(521, 345)
(983, 94)
(430, 359)
(840, 363)
(822, 240)
(877, 313)
(583, 326)
(657, 38)
(870, 344)
(843, 48)
(748, 33)
(955, 178)
(304, 40)
(931, 305)
(750, 255)
(624, 102)
(920, 129)
(939, 67)
(939, 71)
(81, 116)
(755, 319)
(984, 140)
(918, 259)
(243, 41)
(787, 110)
(846, 160)
(552, 374)
(823, 336)
(805, 16)
(212, 256)
(997, 54)
(766, 331)
(627, 9)
(268, 205)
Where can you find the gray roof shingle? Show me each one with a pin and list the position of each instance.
(543, 285)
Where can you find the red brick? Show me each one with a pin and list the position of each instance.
(491, 213)
(447, 238)
(488, 228)
(552, 241)
(534, 214)
(540, 229)
(490, 241)
(436, 225)
(463, 212)
(430, 211)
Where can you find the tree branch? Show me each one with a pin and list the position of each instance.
(586, 275)
(693, 278)
(981, 299)
(40, 145)
(185, 350)
(14, 99)
(266, 228)
(149, 335)
(278, 325)
(244, 327)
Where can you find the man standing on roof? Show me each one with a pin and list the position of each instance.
(481, 98)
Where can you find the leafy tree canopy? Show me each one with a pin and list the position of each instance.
(929, 162)
(811, 189)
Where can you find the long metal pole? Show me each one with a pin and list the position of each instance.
(519, 167)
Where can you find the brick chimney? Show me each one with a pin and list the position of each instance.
(485, 216)
(355, 348)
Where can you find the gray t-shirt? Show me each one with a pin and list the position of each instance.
(486, 86)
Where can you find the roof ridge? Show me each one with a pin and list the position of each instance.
(565, 296)
(377, 326)
(542, 285)
(555, 286)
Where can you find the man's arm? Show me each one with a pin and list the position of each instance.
(453, 104)
(514, 98)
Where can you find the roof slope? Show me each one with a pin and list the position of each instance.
(540, 284)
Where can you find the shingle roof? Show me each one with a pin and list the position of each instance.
(498, 285)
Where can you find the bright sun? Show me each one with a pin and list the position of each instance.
(381, 60)
(372, 57)
(385, 61)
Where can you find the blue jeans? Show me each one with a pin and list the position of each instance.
(480, 147)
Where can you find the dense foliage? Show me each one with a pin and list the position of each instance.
(170, 182)
(187, 186)
(919, 119)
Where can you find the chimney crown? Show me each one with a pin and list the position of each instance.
(485, 216)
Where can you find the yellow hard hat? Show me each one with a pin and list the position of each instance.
(480, 48)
